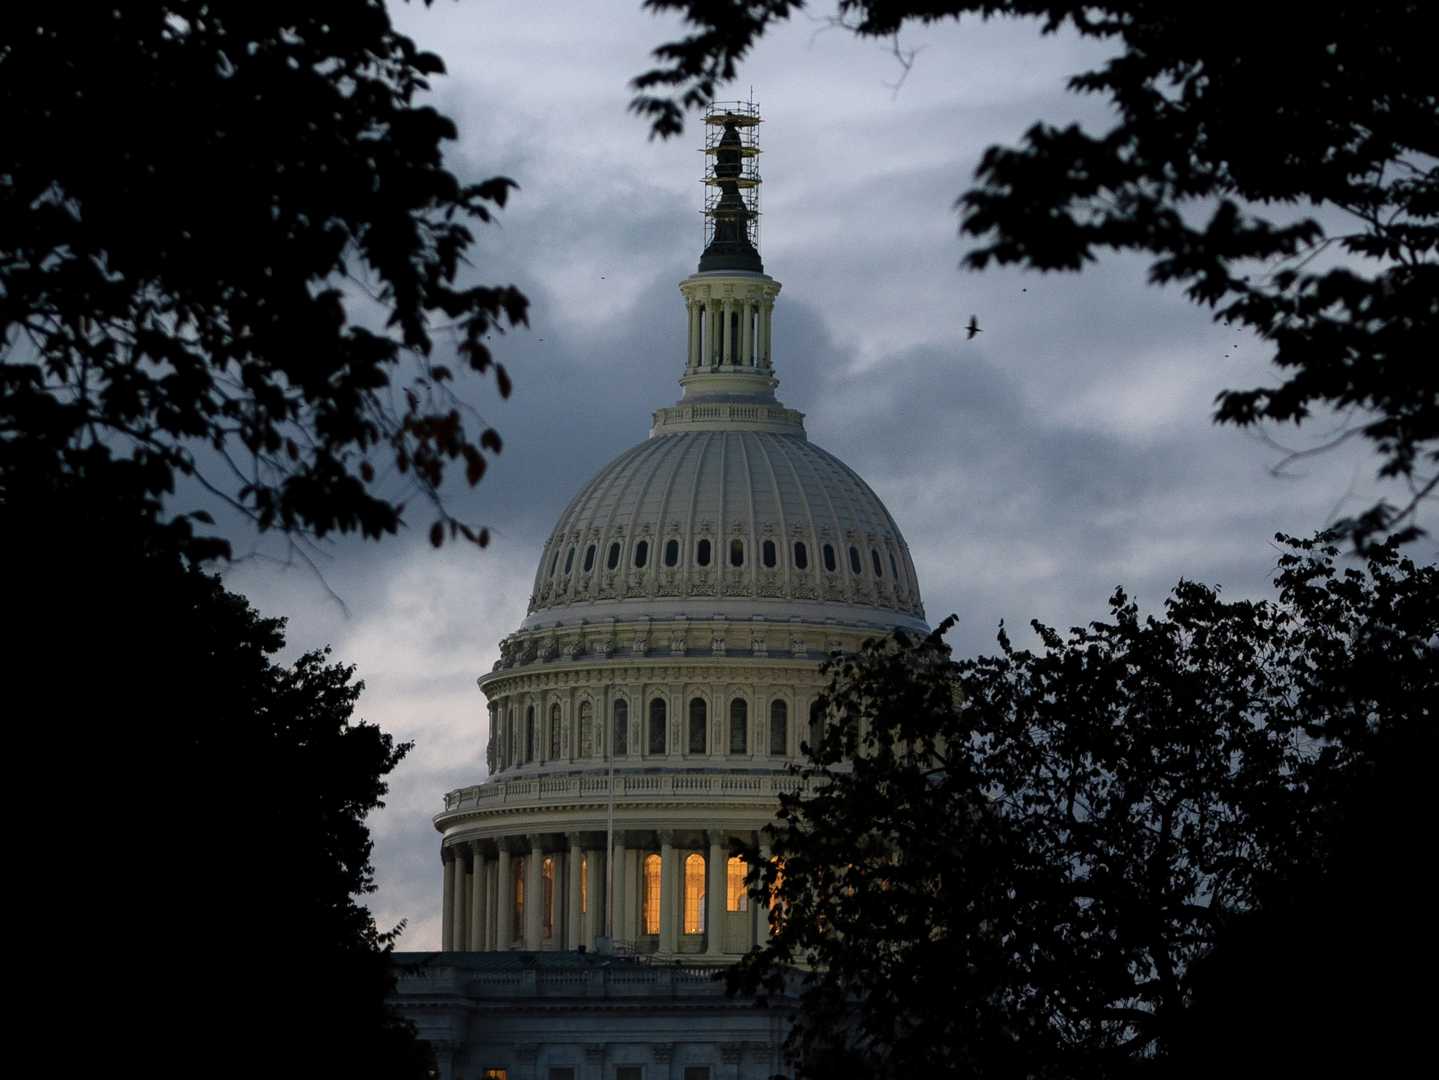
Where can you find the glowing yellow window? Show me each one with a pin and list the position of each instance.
(695, 894)
(736, 898)
(650, 908)
(584, 884)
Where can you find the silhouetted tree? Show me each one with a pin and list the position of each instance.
(225, 230)
(1277, 162)
(1055, 863)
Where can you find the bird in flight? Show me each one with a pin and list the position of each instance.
(972, 328)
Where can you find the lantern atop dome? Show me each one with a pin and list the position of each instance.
(732, 183)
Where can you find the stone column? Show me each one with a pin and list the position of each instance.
(761, 907)
(596, 913)
(458, 936)
(716, 890)
(695, 325)
(573, 938)
(447, 890)
(668, 908)
(712, 338)
(534, 893)
(621, 908)
(746, 333)
(492, 907)
(477, 899)
(559, 887)
(504, 898)
(766, 326)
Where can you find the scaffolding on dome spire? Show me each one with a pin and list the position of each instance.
(731, 211)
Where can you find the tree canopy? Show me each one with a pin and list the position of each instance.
(1282, 166)
(227, 236)
(1060, 862)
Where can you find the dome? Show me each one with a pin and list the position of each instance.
(736, 522)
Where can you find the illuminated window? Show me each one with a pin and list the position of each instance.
(518, 871)
(694, 893)
(736, 552)
(736, 899)
(854, 563)
(621, 739)
(702, 553)
(657, 726)
(697, 725)
(874, 557)
(612, 560)
(829, 563)
(642, 553)
(530, 733)
(650, 895)
(801, 556)
(767, 553)
(554, 732)
(587, 730)
(672, 552)
(778, 728)
(584, 883)
(589, 558)
(495, 1074)
(739, 726)
(547, 883)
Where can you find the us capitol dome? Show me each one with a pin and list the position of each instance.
(644, 712)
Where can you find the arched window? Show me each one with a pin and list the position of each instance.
(739, 726)
(874, 557)
(589, 558)
(620, 740)
(587, 730)
(554, 732)
(672, 552)
(816, 719)
(612, 560)
(657, 726)
(736, 552)
(694, 893)
(736, 898)
(569, 560)
(767, 553)
(778, 728)
(650, 895)
(530, 733)
(829, 563)
(854, 563)
(698, 724)
(517, 869)
(547, 909)
(702, 553)
(801, 556)
(642, 553)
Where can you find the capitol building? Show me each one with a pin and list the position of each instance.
(642, 716)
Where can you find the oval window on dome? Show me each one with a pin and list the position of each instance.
(874, 558)
(570, 560)
(702, 553)
(768, 554)
(555, 562)
(612, 560)
(672, 552)
(589, 558)
(801, 556)
(854, 563)
(893, 569)
(736, 552)
(642, 553)
(829, 563)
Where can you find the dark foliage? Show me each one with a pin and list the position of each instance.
(225, 231)
(1087, 860)
(201, 849)
(1277, 162)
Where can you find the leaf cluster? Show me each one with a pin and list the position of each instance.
(1282, 166)
(225, 230)
(1012, 865)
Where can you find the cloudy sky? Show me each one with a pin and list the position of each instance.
(1067, 450)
